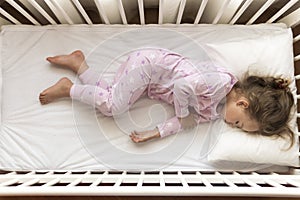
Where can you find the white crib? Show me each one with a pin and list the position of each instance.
(163, 183)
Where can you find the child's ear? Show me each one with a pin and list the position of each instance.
(243, 102)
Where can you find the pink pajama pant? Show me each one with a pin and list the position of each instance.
(114, 99)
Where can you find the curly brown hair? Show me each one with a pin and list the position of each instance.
(270, 104)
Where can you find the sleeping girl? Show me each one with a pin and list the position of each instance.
(201, 93)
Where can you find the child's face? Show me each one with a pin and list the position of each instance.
(236, 116)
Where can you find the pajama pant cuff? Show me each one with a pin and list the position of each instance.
(86, 75)
(74, 93)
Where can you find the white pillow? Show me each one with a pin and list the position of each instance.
(236, 145)
(263, 54)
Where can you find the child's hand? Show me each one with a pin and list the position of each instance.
(143, 136)
(187, 122)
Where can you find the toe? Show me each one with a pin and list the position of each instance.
(49, 59)
(44, 102)
(43, 99)
(43, 93)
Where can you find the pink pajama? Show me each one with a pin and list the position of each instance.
(162, 75)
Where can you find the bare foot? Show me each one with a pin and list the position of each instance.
(58, 90)
(74, 61)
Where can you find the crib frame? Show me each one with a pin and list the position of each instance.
(163, 183)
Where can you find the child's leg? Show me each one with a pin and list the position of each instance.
(92, 77)
(93, 95)
(109, 100)
(129, 88)
(117, 99)
(76, 62)
(89, 94)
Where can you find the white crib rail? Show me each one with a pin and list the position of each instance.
(207, 9)
(200, 11)
(292, 19)
(42, 11)
(148, 183)
(282, 10)
(260, 11)
(102, 11)
(23, 12)
(141, 11)
(9, 17)
(82, 11)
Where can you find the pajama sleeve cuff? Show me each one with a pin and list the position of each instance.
(169, 127)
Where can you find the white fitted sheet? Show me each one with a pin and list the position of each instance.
(63, 134)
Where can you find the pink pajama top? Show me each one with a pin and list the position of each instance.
(196, 89)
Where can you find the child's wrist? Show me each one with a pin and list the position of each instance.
(157, 133)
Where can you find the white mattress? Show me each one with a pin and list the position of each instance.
(67, 135)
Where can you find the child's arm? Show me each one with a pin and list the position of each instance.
(169, 127)
(187, 122)
(182, 91)
(143, 136)
(183, 119)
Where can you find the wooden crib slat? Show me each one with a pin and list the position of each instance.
(42, 11)
(141, 11)
(297, 77)
(175, 183)
(160, 12)
(23, 12)
(293, 19)
(200, 11)
(102, 11)
(63, 12)
(297, 58)
(29, 182)
(82, 11)
(230, 11)
(122, 12)
(296, 39)
(260, 11)
(4, 21)
(282, 10)
(54, 10)
(180, 12)
(9, 17)
(240, 11)
(221, 11)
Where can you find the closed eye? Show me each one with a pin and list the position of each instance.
(239, 125)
